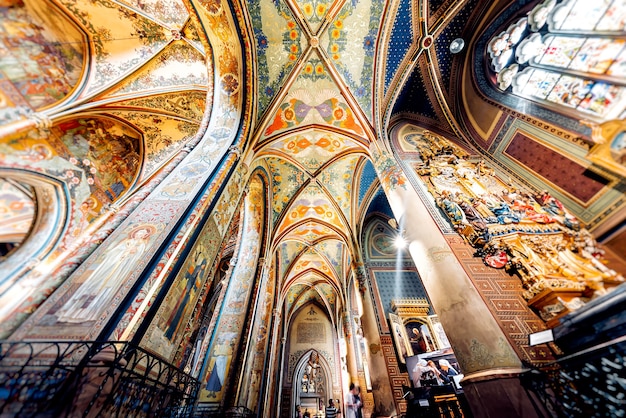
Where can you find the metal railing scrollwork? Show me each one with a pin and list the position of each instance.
(89, 379)
(590, 383)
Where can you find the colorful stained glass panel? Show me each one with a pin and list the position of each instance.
(597, 55)
(618, 69)
(539, 84)
(570, 91)
(602, 99)
(585, 15)
(614, 19)
(560, 50)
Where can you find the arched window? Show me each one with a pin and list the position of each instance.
(569, 54)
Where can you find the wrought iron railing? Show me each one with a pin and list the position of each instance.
(590, 383)
(89, 379)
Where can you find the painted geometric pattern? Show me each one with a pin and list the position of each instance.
(178, 65)
(112, 57)
(314, 148)
(397, 378)
(288, 251)
(314, 11)
(162, 135)
(391, 284)
(413, 97)
(452, 31)
(190, 105)
(380, 203)
(502, 295)
(312, 203)
(401, 40)
(368, 174)
(170, 12)
(310, 295)
(279, 43)
(382, 242)
(313, 105)
(309, 232)
(333, 251)
(566, 173)
(329, 293)
(293, 293)
(286, 180)
(356, 22)
(338, 180)
(311, 260)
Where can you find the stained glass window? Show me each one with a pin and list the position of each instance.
(566, 53)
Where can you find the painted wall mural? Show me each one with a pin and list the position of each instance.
(228, 202)
(227, 335)
(108, 151)
(43, 71)
(98, 158)
(165, 196)
(258, 343)
(107, 276)
(166, 335)
(162, 136)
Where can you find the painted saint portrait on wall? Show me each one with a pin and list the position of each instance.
(399, 337)
(112, 267)
(185, 289)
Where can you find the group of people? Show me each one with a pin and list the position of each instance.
(354, 406)
(426, 373)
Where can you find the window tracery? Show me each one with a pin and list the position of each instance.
(566, 53)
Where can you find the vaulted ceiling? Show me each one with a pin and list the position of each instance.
(326, 75)
(327, 72)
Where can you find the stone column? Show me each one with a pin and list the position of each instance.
(487, 359)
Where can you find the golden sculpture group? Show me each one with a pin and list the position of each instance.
(530, 234)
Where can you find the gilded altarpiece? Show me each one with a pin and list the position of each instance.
(528, 233)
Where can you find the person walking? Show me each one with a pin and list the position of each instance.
(331, 411)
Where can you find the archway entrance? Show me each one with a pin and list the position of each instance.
(312, 383)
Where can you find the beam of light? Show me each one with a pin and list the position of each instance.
(399, 242)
